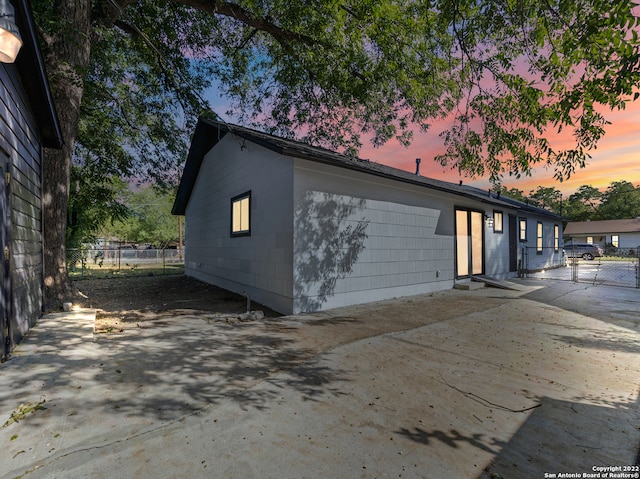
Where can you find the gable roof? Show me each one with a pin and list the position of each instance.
(603, 227)
(209, 132)
(30, 66)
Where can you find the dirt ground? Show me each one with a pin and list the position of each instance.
(122, 303)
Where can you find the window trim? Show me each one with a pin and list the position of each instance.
(615, 243)
(539, 237)
(522, 232)
(498, 227)
(238, 199)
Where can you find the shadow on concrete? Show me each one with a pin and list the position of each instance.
(169, 369)
(615, 305)
(452, 438)
(568, 437)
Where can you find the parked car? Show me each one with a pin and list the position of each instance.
(583, 250)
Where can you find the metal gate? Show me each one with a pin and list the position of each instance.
(619, 268)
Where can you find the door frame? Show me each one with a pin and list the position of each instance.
(5, 268)
(470, 244)
(514, 239)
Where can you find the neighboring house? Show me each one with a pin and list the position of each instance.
(300, 228)
(620, 234)
(28, 122)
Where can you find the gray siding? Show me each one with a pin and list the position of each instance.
(549, 257)
(20, 141)
(381, 240)
(324, 236)
(260, 264)
(627, 240)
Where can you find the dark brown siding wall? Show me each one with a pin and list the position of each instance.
(20, 140)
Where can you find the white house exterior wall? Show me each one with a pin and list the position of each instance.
(497, 246)
(394, 239)
(324, 236)
(549, 257)
(259, 264)
(625, 240)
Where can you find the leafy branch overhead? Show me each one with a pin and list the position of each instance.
(507, 75)
(129, 79)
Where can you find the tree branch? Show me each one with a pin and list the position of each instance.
(232, 10)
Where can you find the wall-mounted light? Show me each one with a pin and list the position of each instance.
(10, 40)
(489, 220)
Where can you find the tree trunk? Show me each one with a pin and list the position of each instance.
(66, 58)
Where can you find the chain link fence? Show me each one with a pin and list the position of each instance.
(616, 267)
(102, 263)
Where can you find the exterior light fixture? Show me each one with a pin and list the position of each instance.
(10, 40)
(489, 220)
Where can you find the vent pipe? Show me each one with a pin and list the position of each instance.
(418, 160)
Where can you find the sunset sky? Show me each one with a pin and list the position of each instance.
(617, 158)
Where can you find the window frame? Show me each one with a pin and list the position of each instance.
(522, 230)
(556, 238)
(235, 200)
(539, 237)
(615, 242)
(498, 226)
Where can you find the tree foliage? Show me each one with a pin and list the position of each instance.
(620, 200)
(95, 201)
(149, 219)
(129, 78)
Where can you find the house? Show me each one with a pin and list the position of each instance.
(28, 122)
(300, 228)
(618, 234)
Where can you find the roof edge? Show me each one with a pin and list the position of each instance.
(206, 135)
(204, 139)
(30, 66)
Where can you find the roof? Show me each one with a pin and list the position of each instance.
(209, 132)
(603, 227)
(30, 67)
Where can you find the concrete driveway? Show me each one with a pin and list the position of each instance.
(460, 384)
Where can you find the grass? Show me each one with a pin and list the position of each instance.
(107, 271)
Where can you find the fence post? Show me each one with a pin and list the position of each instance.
(638, 267)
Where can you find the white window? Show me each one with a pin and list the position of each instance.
(539, 238)
(556, 237)
(615, 240)
(523, 230)
(590, 239)
(241, 215)
(497, 221)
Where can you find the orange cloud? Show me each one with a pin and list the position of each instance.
(616, 158)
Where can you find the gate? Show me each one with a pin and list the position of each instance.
(621, 268)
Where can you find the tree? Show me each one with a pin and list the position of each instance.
(547, 197)
(128, 76)
(149, 219)
(95, 201)
(621, 200)
(513, 193)
(583, 205)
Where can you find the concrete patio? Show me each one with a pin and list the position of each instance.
(460, 384)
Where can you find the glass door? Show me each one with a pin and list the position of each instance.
(469, 243)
